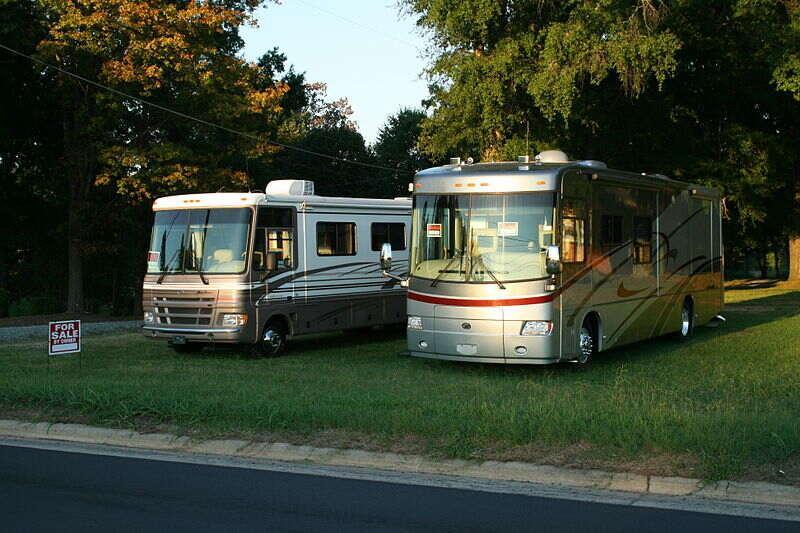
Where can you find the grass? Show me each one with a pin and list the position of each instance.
(725, 405)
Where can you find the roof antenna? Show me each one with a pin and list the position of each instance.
(527, 137)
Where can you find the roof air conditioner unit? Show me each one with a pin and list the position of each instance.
(552, 156)
(290, 188)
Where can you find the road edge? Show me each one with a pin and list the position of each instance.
(731, 491)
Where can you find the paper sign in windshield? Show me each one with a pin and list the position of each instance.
(434, 230)
(507, 229)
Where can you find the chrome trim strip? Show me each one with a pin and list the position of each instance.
(190, 331)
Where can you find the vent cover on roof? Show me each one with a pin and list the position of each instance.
(290, 187)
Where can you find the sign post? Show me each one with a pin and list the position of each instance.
(65, 337)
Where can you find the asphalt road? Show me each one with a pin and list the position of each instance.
(46, 490)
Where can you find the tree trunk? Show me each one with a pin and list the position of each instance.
(794, 258)
(79, 167)
(74, 253)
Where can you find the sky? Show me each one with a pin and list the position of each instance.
(363, 50)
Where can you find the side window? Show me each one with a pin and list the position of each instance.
(274, 242)
(642, 242)
(392, 232)
(610, 231)
(336, 238)
(573, 240)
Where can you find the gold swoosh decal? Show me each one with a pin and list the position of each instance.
(622, 292)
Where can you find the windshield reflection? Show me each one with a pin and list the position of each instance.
(481, 238)
(209, 241)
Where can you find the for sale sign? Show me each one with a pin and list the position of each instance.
(65, 337)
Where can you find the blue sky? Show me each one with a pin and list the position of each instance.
(362, 49)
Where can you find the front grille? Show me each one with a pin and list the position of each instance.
(185, 310)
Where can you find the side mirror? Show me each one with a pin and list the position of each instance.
(386, 257)
(553, 260)
(386, 265)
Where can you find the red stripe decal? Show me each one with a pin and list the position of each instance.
(479, 303)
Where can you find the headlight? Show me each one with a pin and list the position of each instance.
(538, 328)
(414, 322)
(149, 317)
(234, 319)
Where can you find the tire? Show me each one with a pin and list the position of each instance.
(686, 323)
(186, 348)
(587, 343)
(273, 340)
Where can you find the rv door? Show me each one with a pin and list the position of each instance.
(275, 252)
(573, 218)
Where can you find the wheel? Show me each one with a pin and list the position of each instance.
(186, 348)
(587, 343)
(686, 321)
(273, 340)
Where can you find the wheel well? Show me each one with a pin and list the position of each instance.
(282, 320)
(592, 319)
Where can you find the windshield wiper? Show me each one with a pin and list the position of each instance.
(202, 252)
(164, 271)
(479, 258)
(442, 272)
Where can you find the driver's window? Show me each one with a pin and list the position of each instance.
(273, 250)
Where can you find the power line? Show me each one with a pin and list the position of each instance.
(190, 117)
(360, 25)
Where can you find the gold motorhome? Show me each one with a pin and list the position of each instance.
(555, 260)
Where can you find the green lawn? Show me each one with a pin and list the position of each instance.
(725, 405)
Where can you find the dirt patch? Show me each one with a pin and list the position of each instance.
(585, 456)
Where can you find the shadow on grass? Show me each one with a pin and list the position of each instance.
(307, 343)
(750, 284)
(740, 316)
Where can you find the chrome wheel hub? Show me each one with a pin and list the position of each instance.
(585, 345)
(272, 339)
(685, 321)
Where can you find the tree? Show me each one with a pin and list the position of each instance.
(702, 91)
(397, 147)
(326, 127)
(181, 55)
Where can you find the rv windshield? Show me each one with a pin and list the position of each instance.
(481, 238)
(211, 241)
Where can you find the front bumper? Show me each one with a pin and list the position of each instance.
(494, 360)
(212, 335)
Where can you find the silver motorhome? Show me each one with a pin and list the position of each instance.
(259, 268)
(555, 260)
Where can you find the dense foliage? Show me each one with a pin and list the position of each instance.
(81, 164)
(703, 91)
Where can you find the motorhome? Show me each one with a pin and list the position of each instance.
(536, 262)
(260, 268)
